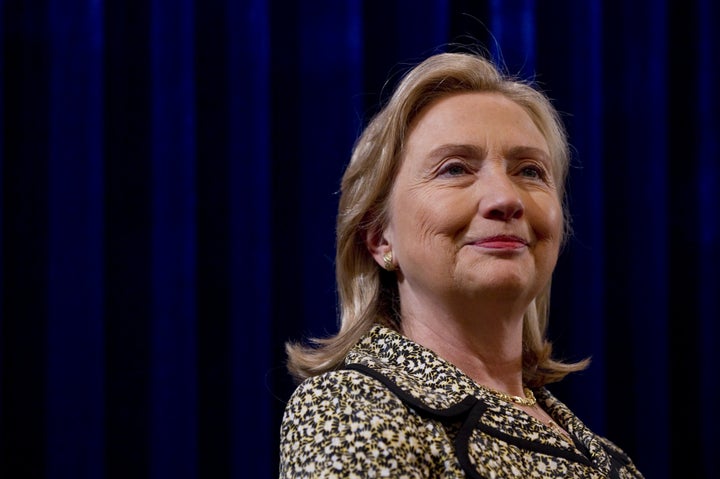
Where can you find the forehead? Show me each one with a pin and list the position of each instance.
(475, 117)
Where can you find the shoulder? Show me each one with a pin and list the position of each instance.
(619, 459)
(347, 383)
(347, 423)
(344, 395)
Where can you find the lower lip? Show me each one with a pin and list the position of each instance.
(506, 245)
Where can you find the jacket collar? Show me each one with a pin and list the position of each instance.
(437, 385)
(416, 370)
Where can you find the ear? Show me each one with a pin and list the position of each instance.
(378, 245)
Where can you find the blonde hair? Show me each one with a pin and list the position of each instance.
(367, 293)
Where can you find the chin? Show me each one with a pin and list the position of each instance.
(508, 286)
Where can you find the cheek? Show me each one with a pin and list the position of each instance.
(423, 221)
(548, 223)
(431, 215)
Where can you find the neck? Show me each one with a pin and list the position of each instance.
(488, 349)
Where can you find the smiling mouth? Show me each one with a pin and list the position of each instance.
(502, 242)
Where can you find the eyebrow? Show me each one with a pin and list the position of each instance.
(452, 149)
(475, 151)
(518, 151)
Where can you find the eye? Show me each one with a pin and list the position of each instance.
(454, 168)
(534, 172)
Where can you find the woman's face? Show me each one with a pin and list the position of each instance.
(474, 208)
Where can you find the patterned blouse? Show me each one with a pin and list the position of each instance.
(398, 410)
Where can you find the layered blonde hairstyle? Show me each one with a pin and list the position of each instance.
(367, 293)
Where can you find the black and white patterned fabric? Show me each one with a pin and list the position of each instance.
(398, 410)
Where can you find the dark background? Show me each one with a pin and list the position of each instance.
(169, 173)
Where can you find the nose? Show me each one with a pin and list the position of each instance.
(501, 199)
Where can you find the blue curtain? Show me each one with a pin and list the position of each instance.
(168, 186)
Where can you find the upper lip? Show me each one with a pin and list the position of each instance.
(508, 238)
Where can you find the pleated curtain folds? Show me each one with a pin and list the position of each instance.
(169, 177)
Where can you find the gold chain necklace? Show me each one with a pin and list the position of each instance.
(529, 399)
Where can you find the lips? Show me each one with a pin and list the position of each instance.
(502, 242)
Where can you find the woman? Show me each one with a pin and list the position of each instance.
(449, 227)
